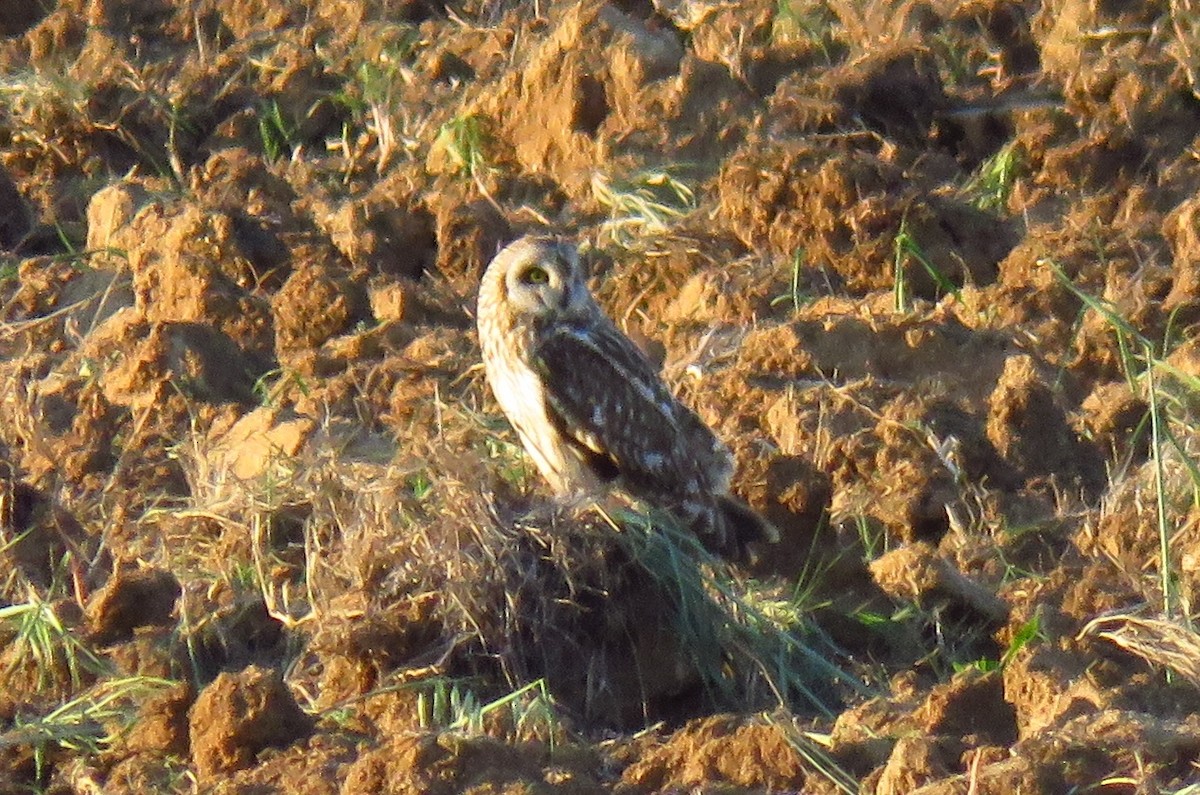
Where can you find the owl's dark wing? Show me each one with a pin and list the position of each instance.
(608, 398)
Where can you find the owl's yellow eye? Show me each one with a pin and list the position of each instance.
(536, 275)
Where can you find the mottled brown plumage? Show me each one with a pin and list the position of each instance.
(590, 409)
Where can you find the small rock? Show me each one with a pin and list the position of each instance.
(388, 300)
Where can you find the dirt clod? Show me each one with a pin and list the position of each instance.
(914, 761)
(1029, 428)
(162, 725)
(239, 715)
(970, 707)
(133, 597)
(718, 749)
(916, 573)
(314, 305)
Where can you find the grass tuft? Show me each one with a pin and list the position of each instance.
(1162, 642)
(811, 747)
(467, 143)
(743, 643)
(374, 94)
(451, 705)
(277, 133)
(647, 203)
(795, 294)
(88, 723)
(802, 21)
(40, 639)
(1170, 395)
(1028, 632)
(906, 248)
(993, 182)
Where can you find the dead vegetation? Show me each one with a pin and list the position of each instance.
(930, 268)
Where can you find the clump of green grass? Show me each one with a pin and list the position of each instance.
(804, 21)
(742, 643)
(795, 295)
(278, 134)
(956, 644)
(373, 94)
(509, 460)
(1171, 397)
(646, 203)
(467, 142)
(455, 705)
(452, 705)
(40, 639)
(271, 387)
(905, 248)
(872, 537)
(581, 600)
(751, 646)
(957, 61)
(1027, 633)
(1143, 359)
(87, 724)
(992, 184)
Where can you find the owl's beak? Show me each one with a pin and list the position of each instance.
(576, 296)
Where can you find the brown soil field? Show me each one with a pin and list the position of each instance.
(932, 269)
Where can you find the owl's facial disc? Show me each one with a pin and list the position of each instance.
(545, 282)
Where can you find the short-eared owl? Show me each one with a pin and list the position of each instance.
(589, 407)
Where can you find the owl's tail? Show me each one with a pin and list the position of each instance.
(738, 529)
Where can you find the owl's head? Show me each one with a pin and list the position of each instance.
(537, 277)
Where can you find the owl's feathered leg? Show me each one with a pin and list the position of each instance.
(728, 527)
(743, 525)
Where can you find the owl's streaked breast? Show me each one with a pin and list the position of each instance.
(521, 393)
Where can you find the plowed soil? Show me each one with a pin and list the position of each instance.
(932, 269)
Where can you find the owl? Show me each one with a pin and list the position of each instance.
(589, 407)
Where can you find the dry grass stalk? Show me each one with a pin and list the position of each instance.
(1162, 643)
